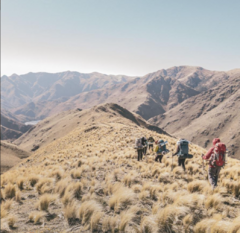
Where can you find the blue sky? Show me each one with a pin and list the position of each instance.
(132, 37)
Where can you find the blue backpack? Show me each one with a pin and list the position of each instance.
(161, 148)
(183, 146)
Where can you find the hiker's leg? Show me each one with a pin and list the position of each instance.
(138, 154)
(141, 154)
(218, 169)
(183, 164)
(211, 172)
(179, 161)
(160, 158)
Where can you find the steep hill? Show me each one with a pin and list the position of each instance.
(11, 155)
(89, 180)
(17, 90)
(11, 128)
(214, 113)
(57, 126)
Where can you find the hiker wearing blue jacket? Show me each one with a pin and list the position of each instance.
(182, 152)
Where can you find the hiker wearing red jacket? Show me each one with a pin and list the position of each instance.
(216, 158)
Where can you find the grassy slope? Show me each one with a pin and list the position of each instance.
(11, 155)
(92, 181)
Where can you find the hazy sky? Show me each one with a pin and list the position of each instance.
(132, 37)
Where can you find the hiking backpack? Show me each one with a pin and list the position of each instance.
(144, 141)
(161, 148)
(219, 155)
(183, 144)
(138, 143)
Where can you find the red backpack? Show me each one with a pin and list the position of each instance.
(218, 156)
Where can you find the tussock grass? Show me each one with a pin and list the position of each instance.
(4, 211)
(20, 182)
(110, 223)
(204, 226)
(127, 217)
(9, 191)
(95, 220)
(7, 204)
(61, 186)
(11, 220)
(167, 216)
(87, 209)
(197, 186)
(33, 179)
(164, 177)
(121, 198)
(70, 212)
(214, 201)
(45, 201)
(18, 196)
(44, 185)
(36, 216)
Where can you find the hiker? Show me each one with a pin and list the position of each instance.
(216, 156)
(139, 147)
(145, 144)
(151, 141)
(160, 150)
(182, 152)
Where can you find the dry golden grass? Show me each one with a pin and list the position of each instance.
(214, 201)
(11, 220)
(121, 198)
(20, 182)
(9, 191)
(87, 209)
(70, 211)
(45, 200)
(36, 216)
(97, 185)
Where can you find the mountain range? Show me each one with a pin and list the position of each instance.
(184, 100)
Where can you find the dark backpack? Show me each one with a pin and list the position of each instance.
(183, 146)
(144, 140)
(219, 155)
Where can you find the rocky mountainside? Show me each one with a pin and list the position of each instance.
(213, 113)
(149, 96)
(11, 128)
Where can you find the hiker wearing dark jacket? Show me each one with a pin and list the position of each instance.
(181, 161)
(144, 143)
(150, 142)
(139, 147)
(213, 171)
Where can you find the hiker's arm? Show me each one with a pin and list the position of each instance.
(177, 150)
(208, 155)
(156, 149)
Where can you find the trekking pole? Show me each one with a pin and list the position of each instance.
(172, 163)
